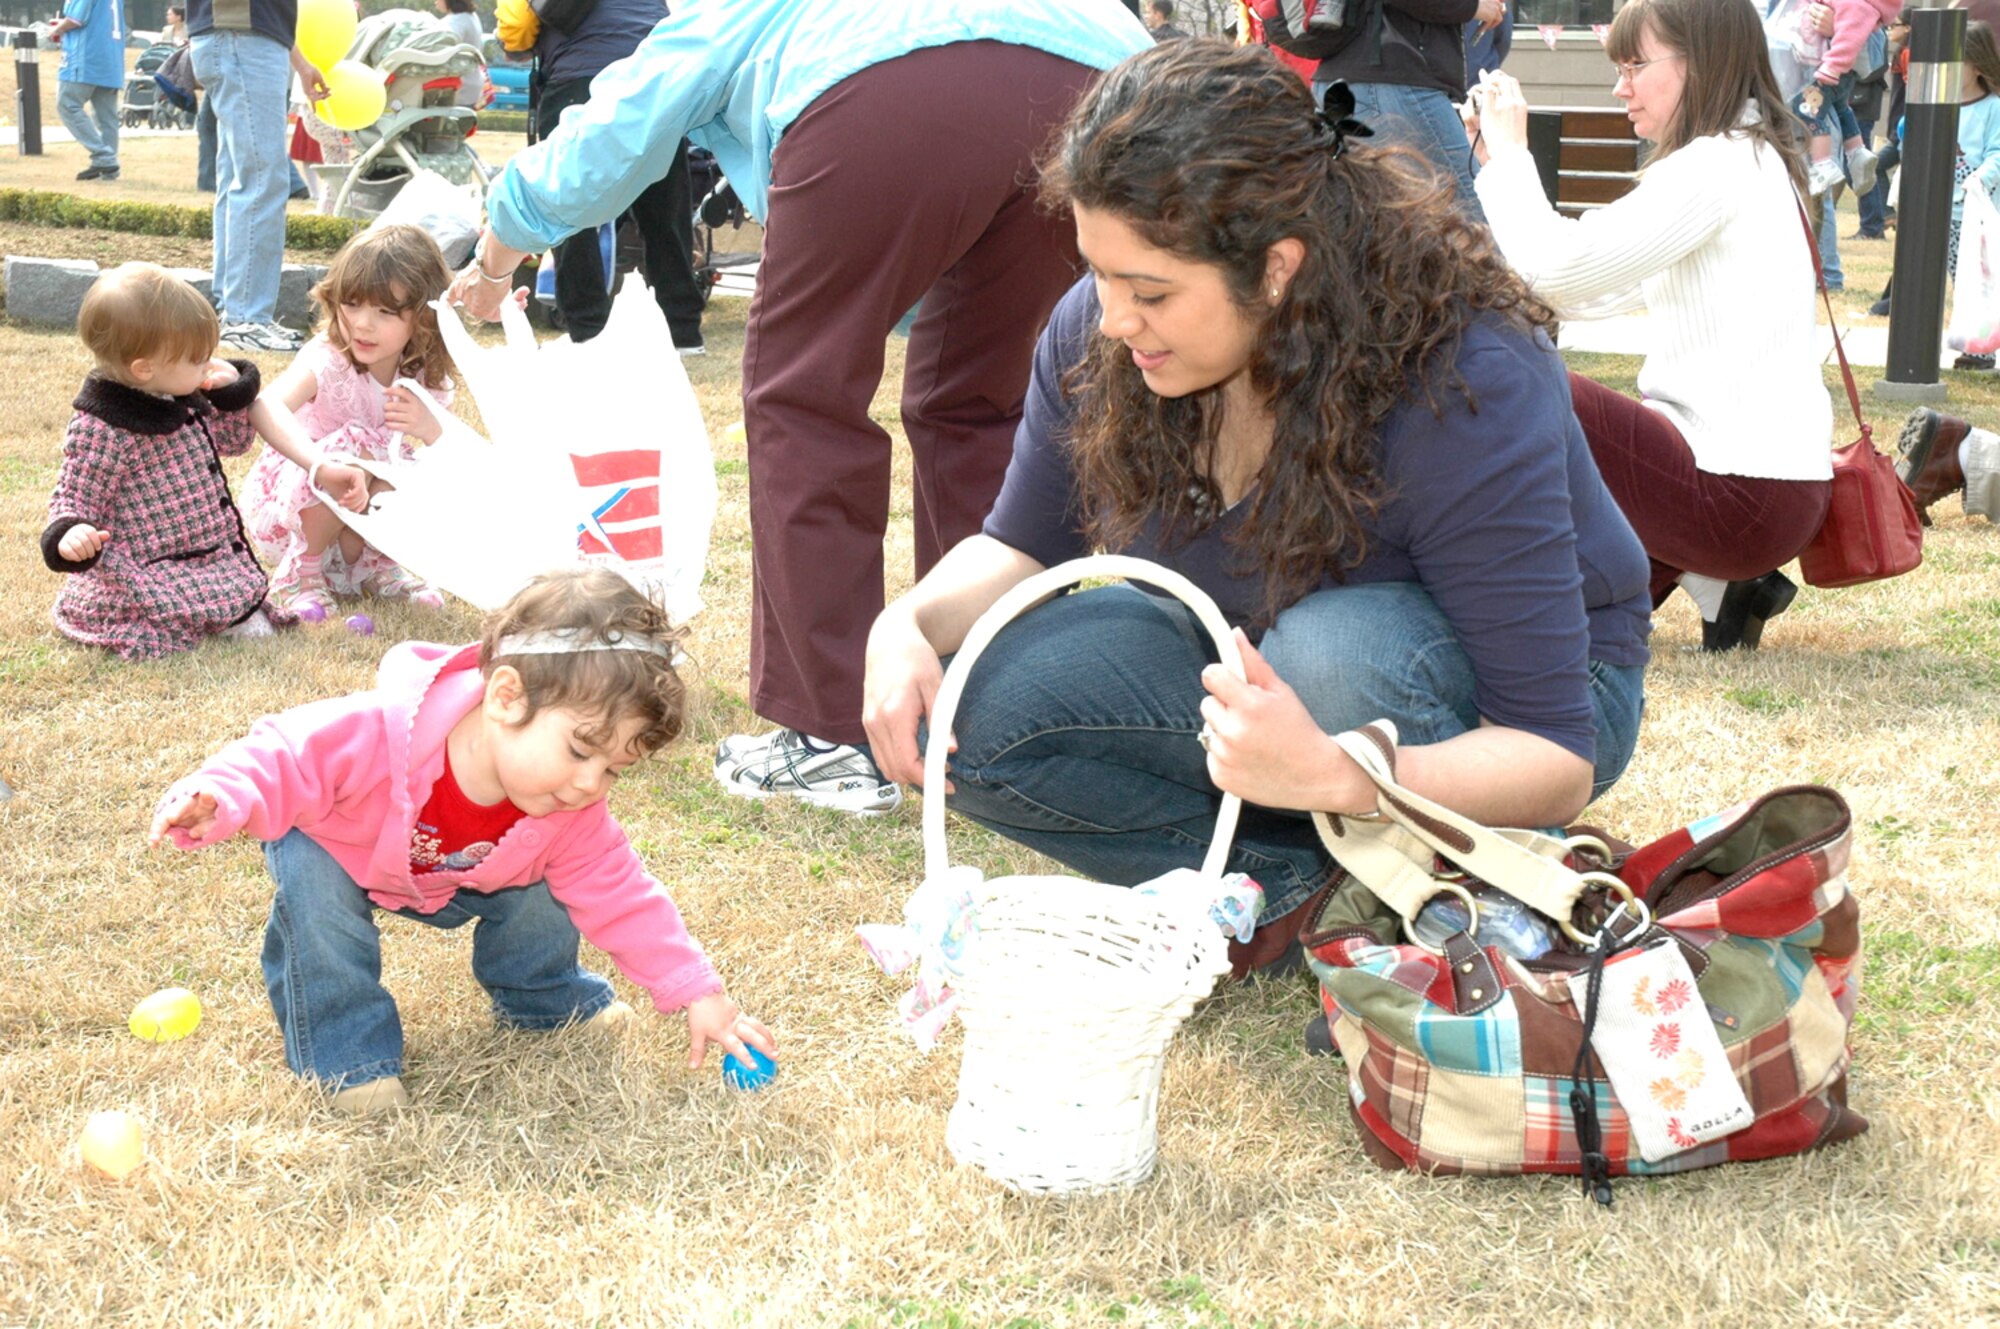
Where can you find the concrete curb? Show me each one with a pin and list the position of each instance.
(48, 292)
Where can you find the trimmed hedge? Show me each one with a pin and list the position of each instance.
(503, 122)
(40, 207)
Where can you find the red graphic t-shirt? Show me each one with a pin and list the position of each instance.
(453, 833)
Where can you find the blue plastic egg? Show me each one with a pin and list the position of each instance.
(756, 1075)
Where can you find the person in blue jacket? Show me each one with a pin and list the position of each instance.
(1300, 376)
(889, 151)
(92, 36)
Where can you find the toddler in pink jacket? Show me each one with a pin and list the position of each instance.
(468, 786)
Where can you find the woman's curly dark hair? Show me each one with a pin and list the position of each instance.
(1214, 153)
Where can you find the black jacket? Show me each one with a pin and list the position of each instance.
(1410, 43)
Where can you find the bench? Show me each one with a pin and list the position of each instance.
(1586, 158)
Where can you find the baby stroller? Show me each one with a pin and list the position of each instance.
(142, 103)
(717, 206)
(422, 66)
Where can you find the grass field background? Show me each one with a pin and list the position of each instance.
(568, 1180)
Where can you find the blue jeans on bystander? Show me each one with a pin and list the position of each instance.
(90, 113)
(1422, 119)
(323, 964)
(1076, 732)
(247, 78)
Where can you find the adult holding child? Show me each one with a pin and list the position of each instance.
(887, 152)
(1302, 378)
(1724, 464)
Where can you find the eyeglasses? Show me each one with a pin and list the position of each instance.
(1628, 70)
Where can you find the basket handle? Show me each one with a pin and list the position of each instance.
(1017, 600)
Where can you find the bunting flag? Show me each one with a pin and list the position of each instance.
(1551, 33)
(1601, 31)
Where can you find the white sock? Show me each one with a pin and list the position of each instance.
(1706, 592)
(818, 744)
(254, 626)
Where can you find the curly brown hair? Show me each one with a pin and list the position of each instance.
(394, 267)
(610, 686)
(1214, 153)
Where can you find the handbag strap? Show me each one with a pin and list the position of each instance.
(1392, 856)
(1819, 273)
(1017, 600)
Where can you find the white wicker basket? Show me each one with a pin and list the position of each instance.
(1073, 988)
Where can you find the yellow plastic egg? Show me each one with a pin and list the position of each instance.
(736, 433)
(114, 1143)
(166, 1015)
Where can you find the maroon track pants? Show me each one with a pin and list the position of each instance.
(910, 179)
(1734, 527)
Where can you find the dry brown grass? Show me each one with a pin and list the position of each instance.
(556, 1180)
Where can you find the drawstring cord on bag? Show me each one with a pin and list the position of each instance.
(1596, 1168)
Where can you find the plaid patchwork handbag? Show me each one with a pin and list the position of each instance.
(1464, 1057)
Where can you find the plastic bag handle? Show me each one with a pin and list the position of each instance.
(1017, 600)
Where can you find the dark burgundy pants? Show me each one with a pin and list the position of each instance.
(1733, 527)
(910, 179)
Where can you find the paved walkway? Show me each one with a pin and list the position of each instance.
(1628, 335)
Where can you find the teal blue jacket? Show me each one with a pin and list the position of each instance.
(732, 74)
(95, 52)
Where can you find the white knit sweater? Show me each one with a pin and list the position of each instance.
(1711, 244)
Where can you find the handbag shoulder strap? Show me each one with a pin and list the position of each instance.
(1819, 272)
(1391, 857)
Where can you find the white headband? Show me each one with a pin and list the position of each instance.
(576, 641)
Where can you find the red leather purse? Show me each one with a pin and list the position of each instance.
(1871, 531)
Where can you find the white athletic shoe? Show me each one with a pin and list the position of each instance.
(785, 761)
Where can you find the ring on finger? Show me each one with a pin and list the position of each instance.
(1206, 738)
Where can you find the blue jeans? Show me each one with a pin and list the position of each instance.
(1829, 245)
(1422, 119)
(1076, 732)
(90, 113)
(205, 134)
(323, 964)
(247, 78)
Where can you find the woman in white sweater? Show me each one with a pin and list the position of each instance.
(1723, 466)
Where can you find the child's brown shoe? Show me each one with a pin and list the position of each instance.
(613, 1019)
(372, 1099)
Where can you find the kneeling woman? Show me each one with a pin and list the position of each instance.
(1298, 376)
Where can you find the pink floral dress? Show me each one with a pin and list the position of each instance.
(344, 418)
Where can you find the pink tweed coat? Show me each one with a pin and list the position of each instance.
(148, 469)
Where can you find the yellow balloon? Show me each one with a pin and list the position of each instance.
(325, 31)
(355, 96)
(165, 1016)
(114, 1143)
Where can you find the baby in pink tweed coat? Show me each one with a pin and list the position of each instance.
(142, 520)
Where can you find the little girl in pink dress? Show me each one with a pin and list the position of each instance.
(340, 394)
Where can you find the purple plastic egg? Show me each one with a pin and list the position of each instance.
(361, 625)
(312, 613)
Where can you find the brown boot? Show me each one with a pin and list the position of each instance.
(1930, 468)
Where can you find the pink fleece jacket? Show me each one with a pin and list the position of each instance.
(1854, 22)
(353, 773)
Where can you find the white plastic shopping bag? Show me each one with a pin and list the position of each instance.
(598, 454)
(451, 213)
(1975, 297)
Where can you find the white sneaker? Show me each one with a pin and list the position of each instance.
(1822, 176)
(1861, 170)
(257, 625)
(260, 337)
(784, 761)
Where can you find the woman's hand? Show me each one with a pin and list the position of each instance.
(81, 542)
(900, 687)
(1820, 16)
(1468, 112)
(193, 814)
(1264, 746)
(1502, 113)
(485, 284)
(403, 413)
(345, 485)
(718, 1020)
(220, 375)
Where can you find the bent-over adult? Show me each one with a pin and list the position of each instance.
(1724, 465)
(1298, 375)
(889, 152)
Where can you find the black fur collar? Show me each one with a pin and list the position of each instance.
(141, 412)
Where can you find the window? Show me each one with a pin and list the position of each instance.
(1568, 13)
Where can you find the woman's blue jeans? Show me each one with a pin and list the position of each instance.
(323, 964)
(1076, 732)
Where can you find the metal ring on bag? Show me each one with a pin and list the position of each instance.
(1631, 901)
(1602, 849)
(1471, 925)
